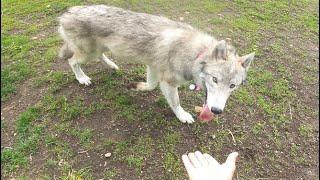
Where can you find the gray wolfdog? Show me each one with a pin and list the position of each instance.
(173, 52)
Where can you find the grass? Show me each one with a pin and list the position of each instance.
(84, 136)
(171, 139)
(110, 174)
(11, 76)
(64, 109)
(26, 143)
(79, 174)
(135, 161)
(138, 152)
(23, 122)
(172, 165)
(258, 128)
(267, 121)
(305, 130)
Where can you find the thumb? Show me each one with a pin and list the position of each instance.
(231, 161)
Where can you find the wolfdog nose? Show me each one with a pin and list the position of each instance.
(216, 110)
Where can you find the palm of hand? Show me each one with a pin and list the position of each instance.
(204, 167)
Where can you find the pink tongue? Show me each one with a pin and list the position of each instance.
(206, 115)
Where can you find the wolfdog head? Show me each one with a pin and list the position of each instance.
(222, 72)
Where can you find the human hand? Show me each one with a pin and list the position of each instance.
(204, 167)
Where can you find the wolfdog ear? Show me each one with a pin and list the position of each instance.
(220, 51)
(246, 60)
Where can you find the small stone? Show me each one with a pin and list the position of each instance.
(192, 87)
(213, 136)
(197, 109)
(61, 162)
(107, 155)
(181, 18)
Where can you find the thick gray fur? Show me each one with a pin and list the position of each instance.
(170, 50)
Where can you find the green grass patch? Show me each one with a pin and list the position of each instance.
(83, 135)
(311, 21)
(139, 152)
(162, 102)
(135, 161)
(128, 114)
(27, 142)
(242, 95)
(3, 125)
(140, 70)
(121, 146)
(12, 159)
(60, 149)
(51, 54)
(305, 130)
(123, 100)
(173, 166)
(110, 173)
(84, 173)
(54, 80)
(63, 108)
(143, 146)
(281, 90)
(11, 76)
(259, 77)
(13, 44)
(24, 120)
(172, 139)
(258, 128)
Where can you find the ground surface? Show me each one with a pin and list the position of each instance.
(54, 128)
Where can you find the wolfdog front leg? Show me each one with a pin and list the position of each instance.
(172, 96)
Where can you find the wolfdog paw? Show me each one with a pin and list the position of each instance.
(85, 80)
(185, 117)
(140, 86)
(132, 86)
(114, 66)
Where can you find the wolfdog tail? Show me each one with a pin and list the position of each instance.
(65, 51)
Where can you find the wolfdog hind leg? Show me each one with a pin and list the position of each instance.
(152, 81)
(110, 63)
(80, 75)
(172, 96)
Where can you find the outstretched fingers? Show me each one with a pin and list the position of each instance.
(187, 163)
(194, 160)
(202, 160)
(210, 159)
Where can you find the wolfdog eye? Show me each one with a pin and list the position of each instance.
(232, 86)
(214, 79)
